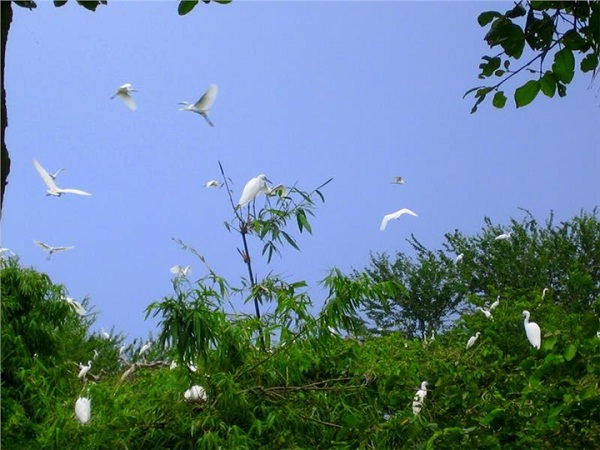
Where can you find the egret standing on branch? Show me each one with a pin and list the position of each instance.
(53, 189)
(533, 331)
(253, 189)
(203, 105)
(394, 216)
(84, 370)
(124, 93)
(472, 340)
(83, 409)
(417, 404)
(502, 237)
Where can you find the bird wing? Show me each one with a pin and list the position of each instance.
(207, 100)
(251, 190)
(128, 100)
(175, 269)
(73, 191)
(45, 176)
(62, 249)
(43, 246)
(405, 211)
(385, 221)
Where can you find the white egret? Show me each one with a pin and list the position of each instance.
(397, 180)
(83, 409)
(145, 348)
(180, 271)
(84, 370)
(253, 189)
(544, 292)
(96, 354)
(213, 184)
(394, 216)
(203, 105)
(195, 394)
(472, 340)
(485, 312)
(494, 305)
(173, 365)
(502, 237)
(193, 368)
(417, 404)
(105, 334)
(77, 307)
(459, 258)
(124, 93)
(122, 350)
(533, 331)
(49, 249)
(55, 174)
(53, 189)
(7, 251)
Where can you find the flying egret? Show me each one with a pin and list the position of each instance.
(533, 331)
(53, 189)
(494, 305)
(397, 180)
(253, 189)
(195, 394)
(180, 271)
(77, 307)
(485, 312)
(203, 105)
(49, 249)
(472, 340)
(105, 334)
(417, 404)
(84, 370)
(145, 348)
(502, 237)
(395, 215)
(124, 93)
(213, 184)
(459, 258)
(83, 409)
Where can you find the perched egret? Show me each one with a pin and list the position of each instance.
(6, 251)
(397, 180)
(193, 368)
(96, 354)
(124, 93)
(417, 404)
(472, 340)
(105, 334)
(544, 292)
(252, 189)
(180, 271)
(213, 184)
(485, 312)
(333, 331)
(84, 370)
(49, 249)
(494, 305)
(77, 307)
(502, 237)
(203, 105)
(459, 258)
(395, 215)
(53, 189)
(83, 409)
(533, 331)
(145, 348)
(122, 350)
(195, 394)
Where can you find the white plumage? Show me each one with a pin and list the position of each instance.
(84, 370)
(124, 93)
(394, 216)
(472, 340)
(53, 189)
(253, 189)
(533, 331)
(83, 409)
(195, 394)
(417, 404)
(203, 105)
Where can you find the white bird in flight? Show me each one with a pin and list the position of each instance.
(53, 189)
(397, 180)
(253, 189)
(485, 312)
(84, 370)
(83, 409)
(203, 105)
(213, 184)
(124, 93)
(472, 340)
(533, 331)
(394, 216)
(195, 394)
(180, 271)
(417, 404)
(50, 250)
(502, 237)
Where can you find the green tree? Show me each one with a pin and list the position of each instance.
(553, 37)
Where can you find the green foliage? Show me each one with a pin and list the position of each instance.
(536, 29)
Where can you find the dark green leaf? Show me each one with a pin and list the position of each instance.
(29, 4)
(570, 352)
(508, 35)
(517, 11)
(573, 40)
(589, 63)
(499, 72)
(480, 96)
(539, 32)
(471, 90)
(59, 3)
(527, 93)
(506, 64)
(486, 17)
(222, 2)
(488, 68)
(564, 65)
(185, 6)
(548, 84)
(89, 5)
(499, 100)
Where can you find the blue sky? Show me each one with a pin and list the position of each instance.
(360, 92)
